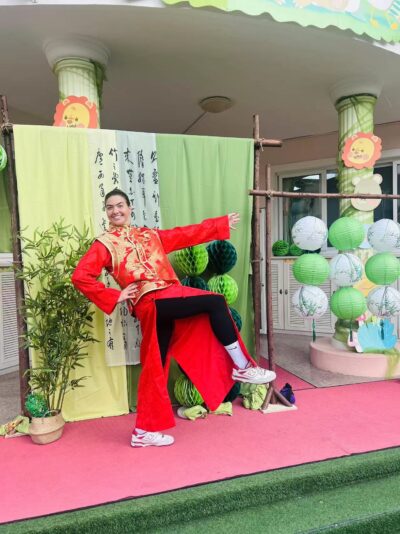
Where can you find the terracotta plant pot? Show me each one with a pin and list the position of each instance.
(45, 430)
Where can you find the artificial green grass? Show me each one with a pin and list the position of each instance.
(314, 495)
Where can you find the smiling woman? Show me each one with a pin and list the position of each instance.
(137, 259)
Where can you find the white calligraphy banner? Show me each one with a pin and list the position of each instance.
(127, 161)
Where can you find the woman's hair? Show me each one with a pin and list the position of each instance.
(116, 192)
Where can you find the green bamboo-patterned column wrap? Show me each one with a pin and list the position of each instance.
(356, 114)
(79, 77)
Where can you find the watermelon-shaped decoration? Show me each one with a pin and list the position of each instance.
(294, 250)
(280, 248)
(222, 256)
(192, 261)
(225, 285)
(195, 281)
(236, 317)
(185, 392)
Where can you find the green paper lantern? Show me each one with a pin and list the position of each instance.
(192, 261)
(225, 285)
(236, 317)
(186, 393)
(3, 159)
(382, 269)
(346, 233)
(348, 303)
(294, 250)
(222, 256)
(311, 269)
(280, 248)
(195, 281)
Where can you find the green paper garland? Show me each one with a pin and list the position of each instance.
(311, 269)
(186, 393)
(346, 233)
(225, 285)
(192, 261)
(382, 269)
(196, 282)
(348, 303)
(280, 248)
(222, 256)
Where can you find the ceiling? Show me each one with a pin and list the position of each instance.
(163, 61)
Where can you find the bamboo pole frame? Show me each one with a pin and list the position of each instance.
(23, 353)
(273, 396)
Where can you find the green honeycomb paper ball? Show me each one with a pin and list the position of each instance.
(346, 233)
(348, 303)
(311, 269)
(195, 281)
(294, 250)
(236, 317)
(192, 261)
(185, 392)
(222, 256)
(382, 269)
(225, 285)
(280, 248)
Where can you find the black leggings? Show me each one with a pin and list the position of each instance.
(180, 308)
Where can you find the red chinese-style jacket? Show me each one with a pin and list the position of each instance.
(139, 255)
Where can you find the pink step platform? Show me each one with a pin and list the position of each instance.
(328, 357)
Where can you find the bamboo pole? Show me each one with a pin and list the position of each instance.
(7, 132)
(256, 259)
(273, 395)
(270, 193)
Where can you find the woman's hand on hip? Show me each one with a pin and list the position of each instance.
(127, 293)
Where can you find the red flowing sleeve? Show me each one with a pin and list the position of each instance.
(194, 234)
(85, 277)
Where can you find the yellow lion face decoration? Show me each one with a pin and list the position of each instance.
(361, 150)
(76, 112)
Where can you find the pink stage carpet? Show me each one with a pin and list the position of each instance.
(93, 463)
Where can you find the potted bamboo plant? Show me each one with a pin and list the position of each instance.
(58, 324)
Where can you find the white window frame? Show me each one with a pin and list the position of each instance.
(280, 172)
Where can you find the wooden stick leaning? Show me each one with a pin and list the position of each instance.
(23, 353)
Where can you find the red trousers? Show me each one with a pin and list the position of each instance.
(195, 348)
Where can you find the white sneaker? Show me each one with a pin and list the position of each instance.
(149, 439)
(253, 375)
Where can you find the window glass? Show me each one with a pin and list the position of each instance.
(295, 209)
(332, 204)
(385, 208)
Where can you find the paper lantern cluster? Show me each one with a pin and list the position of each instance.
(383, 269)
(219, 257)
(346, 269)
(310, 269)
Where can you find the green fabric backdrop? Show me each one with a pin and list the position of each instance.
(203, 177)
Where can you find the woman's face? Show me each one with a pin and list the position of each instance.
(118, 211)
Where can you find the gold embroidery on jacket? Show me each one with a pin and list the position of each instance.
(138, 257)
